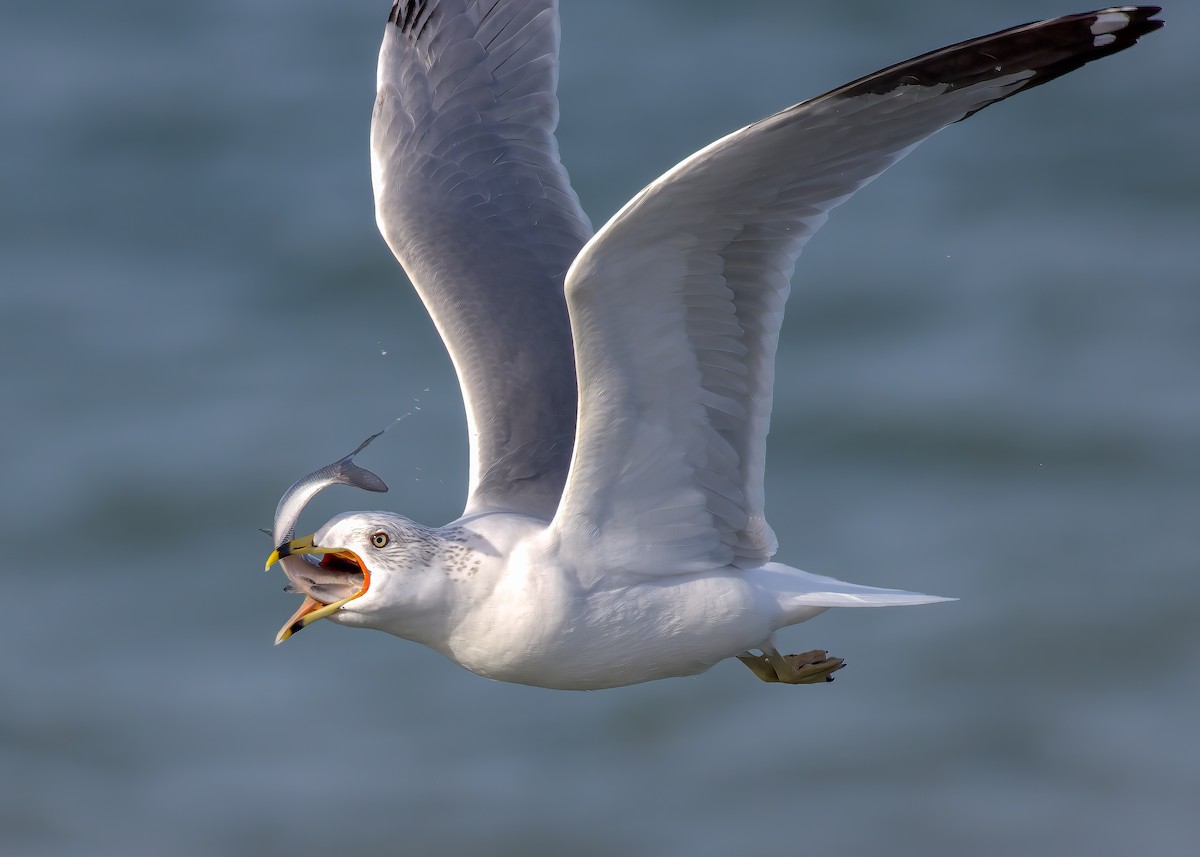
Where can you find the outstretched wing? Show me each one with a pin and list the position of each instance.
(472, 199)
(676, 304)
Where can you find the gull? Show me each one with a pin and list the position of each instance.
(618, 385)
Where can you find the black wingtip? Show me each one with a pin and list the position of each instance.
(1043, 50)
(1117, 27)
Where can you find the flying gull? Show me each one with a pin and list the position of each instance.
(617, 385)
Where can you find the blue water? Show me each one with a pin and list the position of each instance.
(988, 387)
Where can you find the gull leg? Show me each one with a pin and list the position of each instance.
(815, 667)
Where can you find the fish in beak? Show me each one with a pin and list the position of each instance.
(336, 571)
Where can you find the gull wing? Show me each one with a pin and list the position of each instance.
(676, 303)
(472, 199)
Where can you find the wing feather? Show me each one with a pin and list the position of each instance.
(676, 304)
(471, 197)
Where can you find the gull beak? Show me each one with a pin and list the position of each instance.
(312, 610)
(294, 547)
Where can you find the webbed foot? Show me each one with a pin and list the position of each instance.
(815, 667)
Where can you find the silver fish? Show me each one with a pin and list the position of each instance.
(342, 472)
(325, 590)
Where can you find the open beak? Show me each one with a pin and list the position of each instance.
(312, 609)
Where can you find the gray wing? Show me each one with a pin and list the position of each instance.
(676, 304)
(472, 199)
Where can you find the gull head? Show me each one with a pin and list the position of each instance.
(363, 569)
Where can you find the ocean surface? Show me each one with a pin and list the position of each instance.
(988, 387)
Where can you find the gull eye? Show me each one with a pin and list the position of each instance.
(380, 540)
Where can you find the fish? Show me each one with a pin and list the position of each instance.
(325, 580)
(342, 472)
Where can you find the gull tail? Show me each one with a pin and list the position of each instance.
(802, 595)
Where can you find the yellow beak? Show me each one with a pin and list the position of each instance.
(294, 547)
(310, 611)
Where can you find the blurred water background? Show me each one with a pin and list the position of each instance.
(987, 388)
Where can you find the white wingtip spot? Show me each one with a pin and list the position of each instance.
(1105, 39)
(1109, 22)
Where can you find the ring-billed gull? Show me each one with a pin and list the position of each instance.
(617, 386)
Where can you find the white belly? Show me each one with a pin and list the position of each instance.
(548, 631)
